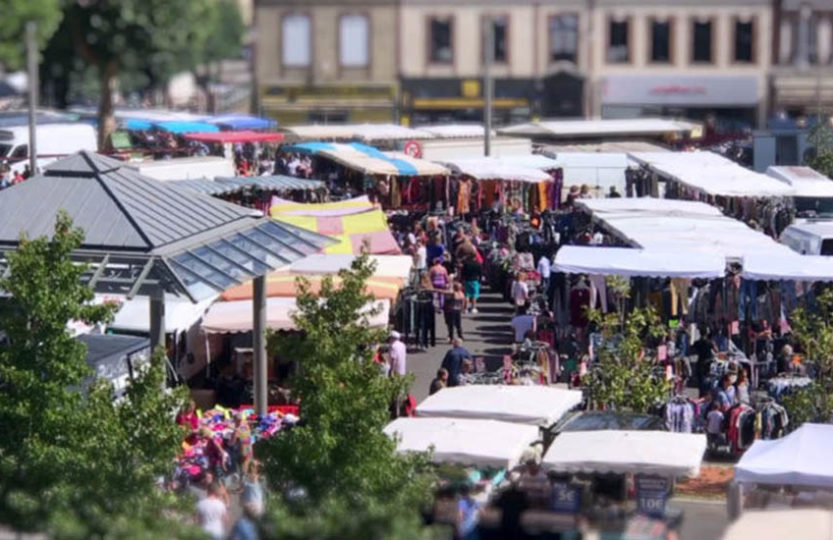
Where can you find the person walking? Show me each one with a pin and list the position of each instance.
(212, 513)
(454, 307)
(398, 355)
(453, 361)
(471, 272)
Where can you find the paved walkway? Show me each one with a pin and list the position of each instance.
(487, 334)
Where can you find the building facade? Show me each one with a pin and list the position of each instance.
(326, 61)
(802, 51)
(422, 61)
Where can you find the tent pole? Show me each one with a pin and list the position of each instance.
(260, 373)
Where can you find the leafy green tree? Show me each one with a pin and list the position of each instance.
(14, 14)
(128, 36)
(623, 378)
(821, 137)
(338, 475)
(72, 462)
(221, 39)
(813, 333)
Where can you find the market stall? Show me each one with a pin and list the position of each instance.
(536, 405)
(463, 441)
(395, 179)
(528, 182)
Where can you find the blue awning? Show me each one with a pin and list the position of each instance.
(187, 127)
(370, 160)
(238, 122)
(134, 124)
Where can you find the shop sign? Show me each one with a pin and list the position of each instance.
(652, 494)
(685, 90)
(566, 498)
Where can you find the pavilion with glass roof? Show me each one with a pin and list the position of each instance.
(145, 237)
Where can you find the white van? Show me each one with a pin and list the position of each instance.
(186, 168)
(54, 141)
(809, 237)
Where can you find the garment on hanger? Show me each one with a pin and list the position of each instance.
(598, 289)
(579, 303)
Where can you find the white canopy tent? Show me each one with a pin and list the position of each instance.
(484, 443)
(712, 174)
(630, 262)
(358, 132)
(802, 458)
(804, 524)
(489, 168)
(597, 170)
(236, 316)
(520, 404)
(805, 181)
(788, 266)
(692, 227)
(621, 452)
(598, 127)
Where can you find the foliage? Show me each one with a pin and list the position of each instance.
(338, 475)
(72, 462)
(623, 378)
(14, 15)
(812, 332)
(820, 137)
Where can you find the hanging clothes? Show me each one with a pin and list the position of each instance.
(679, 296)
(464, 197)
(598, 290)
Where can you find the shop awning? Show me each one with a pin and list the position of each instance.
(181, 127)
(494, 169)
(356, 205)
(180, 314)
(390, 275)
(803, 523)
(712, 174)
(788, 265)
(273, 183)
(802, 458)
(351, 232)
(478, 443)
(243, 122)
(236, 316)
(370, 160)
(388, 266)
(631, 262)
(535, 405)
(805, 181)
(356, 132)
(622, 452)
(228, 137)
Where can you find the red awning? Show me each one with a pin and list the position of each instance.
(235, 137)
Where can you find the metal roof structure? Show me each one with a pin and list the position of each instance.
(224, 186)
(142, 235)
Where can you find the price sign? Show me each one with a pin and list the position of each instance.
(566, 499)
(652, 494)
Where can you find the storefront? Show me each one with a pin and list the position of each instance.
(329, 104)
(435, 100)
(733, 101)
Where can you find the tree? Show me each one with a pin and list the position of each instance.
(624, 377)
(338, 475)
(221, 39)
(14, 15)
(72, 462)
(118, 36)
(812, 332)
(821, 137)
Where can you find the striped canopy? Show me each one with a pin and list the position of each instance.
(370, 160)
(350, 222)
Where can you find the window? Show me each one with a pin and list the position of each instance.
(500, 35)
(354, 41)
(744, 38)
(564, 38)
(295, 41)
(617, 50)
(439, 41)
(661, 42)
(702, 41)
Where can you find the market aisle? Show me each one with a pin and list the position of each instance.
(486, 334)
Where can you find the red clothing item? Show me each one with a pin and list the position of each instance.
(188, 420)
